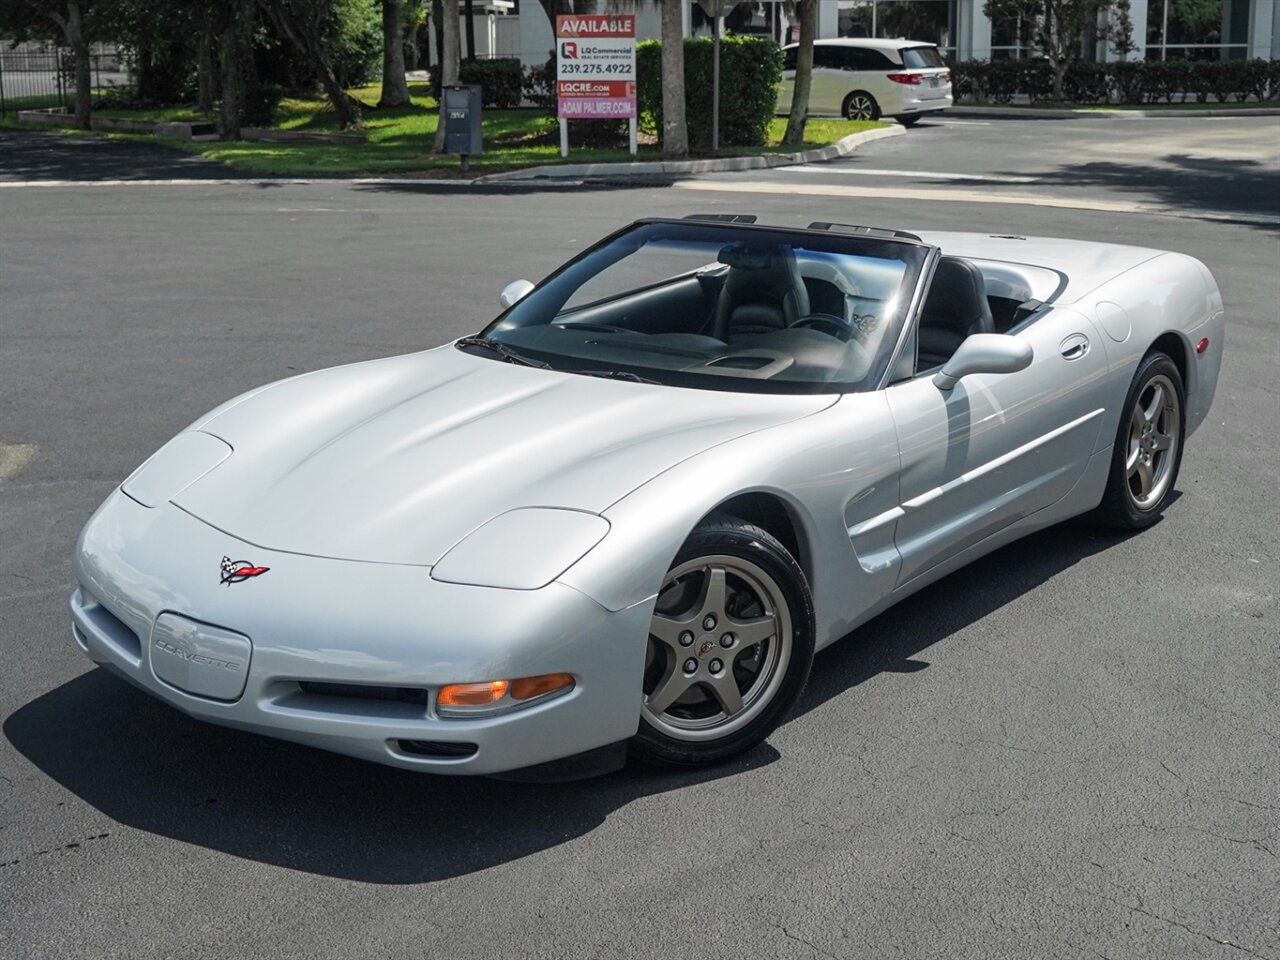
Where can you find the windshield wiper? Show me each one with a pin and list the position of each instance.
(614, 375)
(502, 350)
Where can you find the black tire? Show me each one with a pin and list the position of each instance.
(1123, 507)
(854, 105)
(762, 581)
(909, 121)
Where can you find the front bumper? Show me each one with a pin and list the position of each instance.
(320, 624)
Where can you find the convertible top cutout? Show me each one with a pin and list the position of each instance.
(864, 231)
(723, 217)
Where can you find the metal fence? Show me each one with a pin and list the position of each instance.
(34, 79)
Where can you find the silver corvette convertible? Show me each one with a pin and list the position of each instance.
(625, 515)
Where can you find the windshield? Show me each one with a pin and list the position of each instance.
(721, 306)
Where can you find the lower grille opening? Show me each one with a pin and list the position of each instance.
(352, 699)
(437, 749)
(365, 691)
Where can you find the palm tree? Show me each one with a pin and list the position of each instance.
(675, 131)
(448, 61)
(808, 10)
(395, 90)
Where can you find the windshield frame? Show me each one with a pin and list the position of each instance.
(917, 257)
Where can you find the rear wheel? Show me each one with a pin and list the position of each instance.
(730, 646)
(1148, 447)
(860, 105)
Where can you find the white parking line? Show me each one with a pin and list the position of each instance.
(856, 171)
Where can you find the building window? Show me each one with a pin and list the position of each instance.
(929, 21)
(1197, 29)
(1011, 39)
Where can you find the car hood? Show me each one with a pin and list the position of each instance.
(396, 460)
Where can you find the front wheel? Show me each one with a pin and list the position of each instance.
(730, 646)
(860, 105)
(1148, 448)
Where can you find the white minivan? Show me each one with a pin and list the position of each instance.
(871, 79)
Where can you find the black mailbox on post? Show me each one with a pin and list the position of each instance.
(462, 122)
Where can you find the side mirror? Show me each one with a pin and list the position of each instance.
(984, 353)
(513, 292)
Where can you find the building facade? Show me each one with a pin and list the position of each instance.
(1162, 29)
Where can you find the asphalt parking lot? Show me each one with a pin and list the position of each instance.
(1070, 749)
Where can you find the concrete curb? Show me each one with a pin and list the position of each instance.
(1036, 113)
(683, 168)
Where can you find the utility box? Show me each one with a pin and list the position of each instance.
(462, 134)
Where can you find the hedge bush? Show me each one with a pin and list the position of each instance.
(750, 71)
(500, 80)
(1127, 82)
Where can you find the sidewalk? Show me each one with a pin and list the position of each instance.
(988, 112)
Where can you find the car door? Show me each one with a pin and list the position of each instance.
(996, 447)
(830, 80)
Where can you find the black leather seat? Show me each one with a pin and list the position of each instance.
(763, 291)
(955, 307)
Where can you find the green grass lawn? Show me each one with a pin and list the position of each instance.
(399, 141)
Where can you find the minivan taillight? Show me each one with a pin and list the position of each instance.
(913, 79)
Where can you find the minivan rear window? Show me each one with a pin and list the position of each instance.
(916, 58)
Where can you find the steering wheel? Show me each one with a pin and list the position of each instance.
(827, 323)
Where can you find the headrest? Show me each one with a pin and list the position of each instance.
(741, 256)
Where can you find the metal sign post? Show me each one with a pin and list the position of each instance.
(595, 71)
(716, 10)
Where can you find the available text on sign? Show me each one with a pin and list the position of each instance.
(596, 67)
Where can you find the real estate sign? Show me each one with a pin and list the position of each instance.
(596, 67)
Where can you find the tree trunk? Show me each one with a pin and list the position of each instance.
(448, 60)
(206, 82)
(232, 54)
(344, 105)
(80, 49)
(303, 30)
(437, 18)
(675, 130)
(469, 15)
(808, 10)
(395, 89)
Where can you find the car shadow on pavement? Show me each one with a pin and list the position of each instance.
(1193, 184)
(147, 766)
(890, 642)
(150, 767)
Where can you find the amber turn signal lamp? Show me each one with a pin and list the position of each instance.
(531, 687)
(472, 694)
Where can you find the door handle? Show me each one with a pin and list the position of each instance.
(1074, 347)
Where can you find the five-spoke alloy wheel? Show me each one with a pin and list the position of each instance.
(1148, 449)
(861, 105)
(730, 645)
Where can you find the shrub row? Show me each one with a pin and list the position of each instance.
(500, 79)
(750, 69)
(1130, 82)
